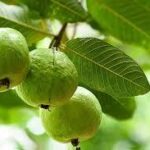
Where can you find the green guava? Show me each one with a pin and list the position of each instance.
(51, 81)
(14, 58)
(79, 118)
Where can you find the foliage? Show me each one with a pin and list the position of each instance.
(114, 72)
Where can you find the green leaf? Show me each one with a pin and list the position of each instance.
(9, 1)
(64, 10)
(10, 99)
(67, 10)
(16, 17)
(40, 6)
(94, 24)
(118, 108)
(144, 3)
(105, 68)
(125, 20)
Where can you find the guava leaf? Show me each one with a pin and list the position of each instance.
(94, 24)
(41, 7)
(144, 3)
(106, 68)
(10, 99)
(126, 20)
(9, 1)
(16, 17)
(118, 108)
(64, 10)
(67, 10)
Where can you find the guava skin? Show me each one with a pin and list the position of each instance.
(52, 79)
(14, 58)
(79, 118)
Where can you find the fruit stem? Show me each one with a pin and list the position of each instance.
(57, 39)
(75, 143)
(5, 82)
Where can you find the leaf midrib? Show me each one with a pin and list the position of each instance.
(27, 26)
(67, 8)
(125, 20)
(104, 67)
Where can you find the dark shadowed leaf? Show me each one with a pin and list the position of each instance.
(39, 6)
(116, 107)
(67, 10)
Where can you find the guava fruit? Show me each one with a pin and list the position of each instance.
(14, 58)
(76, 120)
(51, 81)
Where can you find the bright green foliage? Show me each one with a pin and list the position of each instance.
(67, 10)
(52, 79)
(105, 68)
(64, 10)
(118, 108)
(40, 6)
(14, 57)
(78, 119)
(124, 19)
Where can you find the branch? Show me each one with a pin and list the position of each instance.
(57, 39)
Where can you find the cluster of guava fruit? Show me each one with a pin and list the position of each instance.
(46, 78)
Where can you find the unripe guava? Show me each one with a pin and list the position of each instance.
(52, 79)
(14, 58)
(79, 118)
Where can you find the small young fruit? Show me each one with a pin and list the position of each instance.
(52, 79)
(14, 58)
(78, 119)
